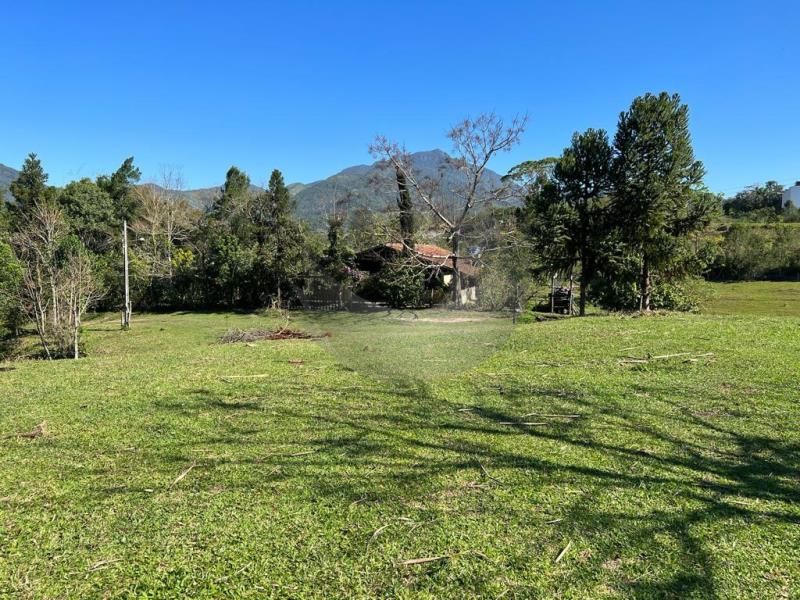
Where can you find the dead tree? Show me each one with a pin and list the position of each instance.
(475, 142)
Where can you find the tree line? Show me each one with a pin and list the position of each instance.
(61, 249)
(629, 217)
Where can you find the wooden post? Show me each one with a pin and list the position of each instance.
(553, 294)
(126, 314)
(570, 294)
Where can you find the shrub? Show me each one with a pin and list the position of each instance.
(400, 283)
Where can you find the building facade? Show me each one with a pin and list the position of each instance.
(792, 195)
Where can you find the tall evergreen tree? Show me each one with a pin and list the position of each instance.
(119, 186)
(568, 211)
(406, 208)
(234, 190)
(657, 182)
(281, 239)
(281, 203)
(30, 186)
(90, 213)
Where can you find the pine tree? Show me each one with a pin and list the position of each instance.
(30, 187)
(568, 210)
(657, 180)
(119, 185)
(281, 203)
(234, 190)
(281, 239)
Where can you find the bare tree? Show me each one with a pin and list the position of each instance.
(80, 291)
(36, 243)
(58, 285)
(475, 142)
(164, 222)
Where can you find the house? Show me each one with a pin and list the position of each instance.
(791, 195)
(439, 261)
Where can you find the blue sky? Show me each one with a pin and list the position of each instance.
(305, 86)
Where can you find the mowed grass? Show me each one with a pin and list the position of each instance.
(776, 298)
(176, 466)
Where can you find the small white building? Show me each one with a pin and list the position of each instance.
(792, 194)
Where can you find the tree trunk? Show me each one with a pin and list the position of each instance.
(644, 299)
(406, 208)
(586, 274)
(76, 326)
(456, 274)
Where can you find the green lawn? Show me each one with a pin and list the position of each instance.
(768, 298)
(672, 478)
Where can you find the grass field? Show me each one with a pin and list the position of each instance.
(563, 459)
(778, 298)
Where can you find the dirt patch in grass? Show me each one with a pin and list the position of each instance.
(233, 336)
(446, 320)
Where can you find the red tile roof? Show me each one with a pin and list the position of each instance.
(439, 256)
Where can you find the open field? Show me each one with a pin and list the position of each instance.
(776, 298)
(571, 463)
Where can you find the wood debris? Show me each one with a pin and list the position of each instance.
(551, 415)
(183, 474)
(233, 336)
(641, 360)
(563, 553)
(39, 431)
(427, 559)
(302, 453)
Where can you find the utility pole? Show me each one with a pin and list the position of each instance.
(126, 314)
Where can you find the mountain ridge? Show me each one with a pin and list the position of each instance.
(369, 185)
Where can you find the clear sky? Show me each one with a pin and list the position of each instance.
(305, 86)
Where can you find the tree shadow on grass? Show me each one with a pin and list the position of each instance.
(407, 444)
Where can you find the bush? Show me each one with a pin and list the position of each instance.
(617, 287)
(11, 316)
(400, 283)
(750, 251)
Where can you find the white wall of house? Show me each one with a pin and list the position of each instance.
(469, 295)
(792, 194)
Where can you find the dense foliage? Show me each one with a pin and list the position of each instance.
(628, 218)
(761, 203)
(247, 251)
(747, 251)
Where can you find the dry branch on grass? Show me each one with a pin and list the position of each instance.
(487, 475)
(301, 453)
(549, 415)
(643, 360)
(39, 431)
(103, 564)
(563, 553)
(233, 336)
(429, 559)
(183, 474)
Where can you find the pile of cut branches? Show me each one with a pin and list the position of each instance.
(233, 336)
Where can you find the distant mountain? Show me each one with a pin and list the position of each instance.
(203, 198)
(374, 186)
(7, 175)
